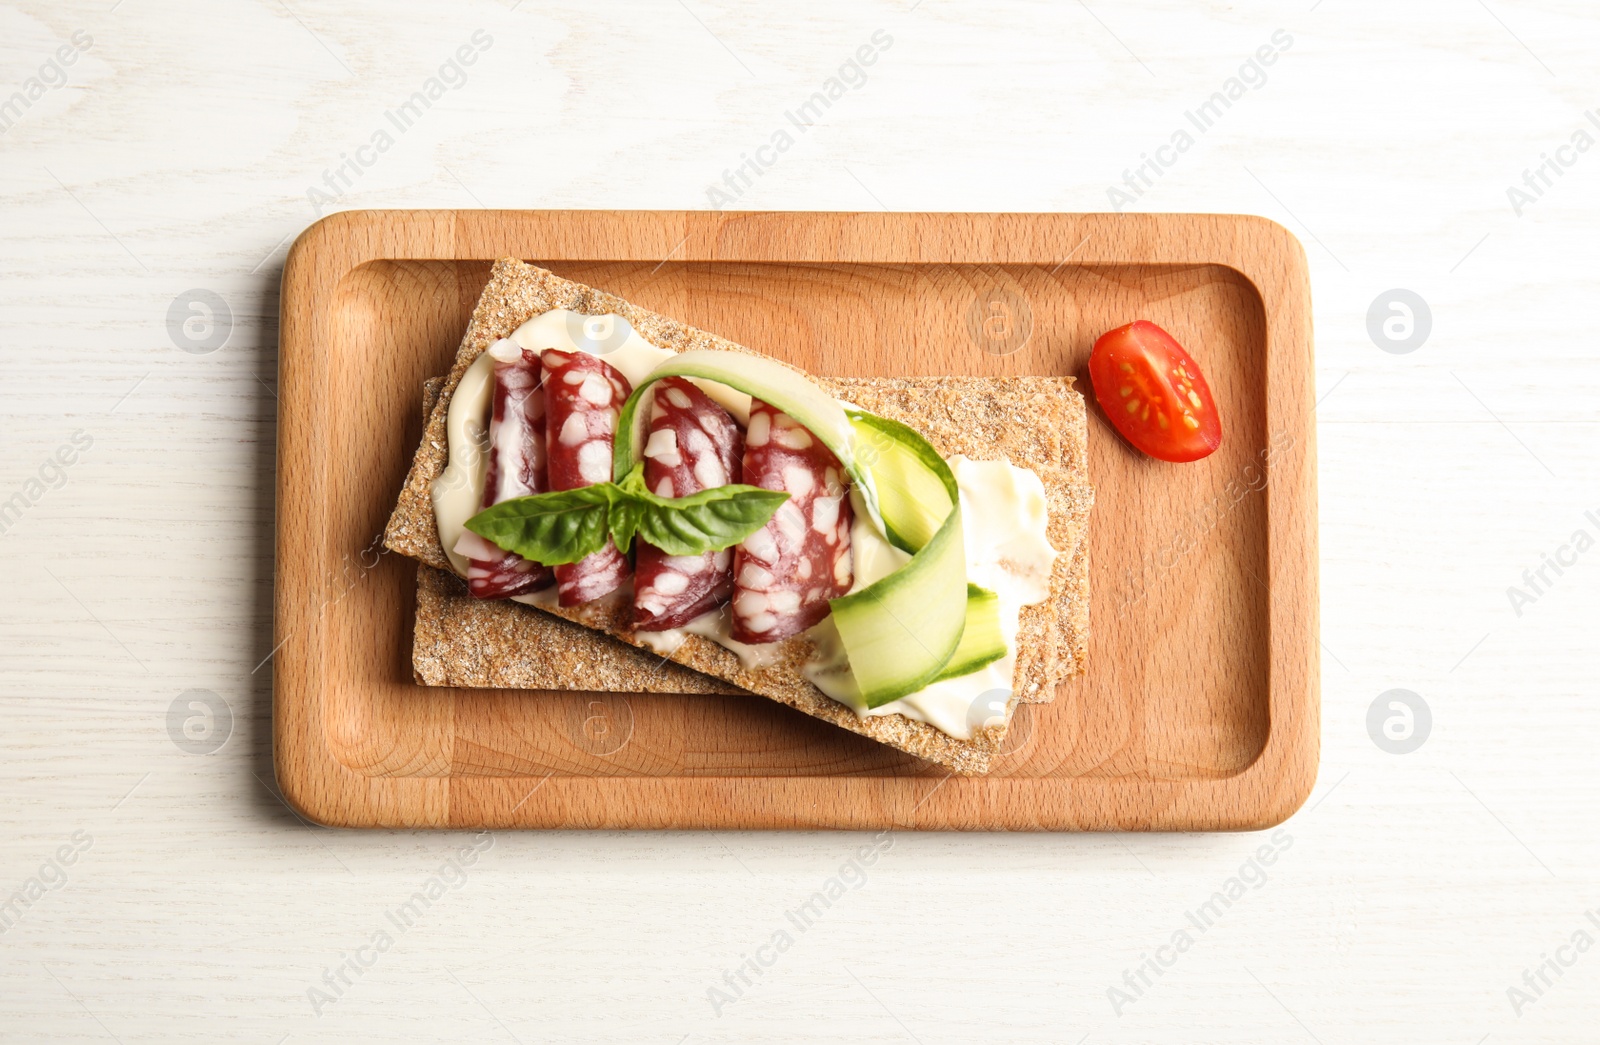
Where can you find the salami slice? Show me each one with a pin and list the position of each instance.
(785, 572)
(516, 469)
(583, 397)
(694, 445)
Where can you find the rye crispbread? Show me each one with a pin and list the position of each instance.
(1036, 422)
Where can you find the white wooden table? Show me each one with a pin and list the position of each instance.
(166, 895)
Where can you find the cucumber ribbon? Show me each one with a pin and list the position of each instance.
(904, 631)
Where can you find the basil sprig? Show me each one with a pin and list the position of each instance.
(567, 525)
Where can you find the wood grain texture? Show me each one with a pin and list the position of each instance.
(1200, 708)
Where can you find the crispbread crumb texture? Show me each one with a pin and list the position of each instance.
(462, 641)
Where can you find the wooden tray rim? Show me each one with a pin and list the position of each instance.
(1264, 793)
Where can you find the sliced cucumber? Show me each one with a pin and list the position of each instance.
(981, 642)
(900, 632)
(912, 495)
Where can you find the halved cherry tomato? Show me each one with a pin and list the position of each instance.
(1154, 394)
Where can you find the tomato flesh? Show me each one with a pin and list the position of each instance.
(1154, 394)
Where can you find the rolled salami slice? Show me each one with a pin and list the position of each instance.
(583, 396)
(694, 445)
(516, 468)
(785, 572)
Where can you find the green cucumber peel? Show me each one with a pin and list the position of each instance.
(981, 643)
(567, 525)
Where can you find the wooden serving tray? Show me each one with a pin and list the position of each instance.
(1199, 710)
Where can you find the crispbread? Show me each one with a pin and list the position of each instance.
(451, 627)
(1072, 600)
(968, 415)
(461, 641)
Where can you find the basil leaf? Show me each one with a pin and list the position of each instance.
(550, 528)
(633, 483)
(625, 522)
(628, 507)
(706, 521)
(557, 528)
